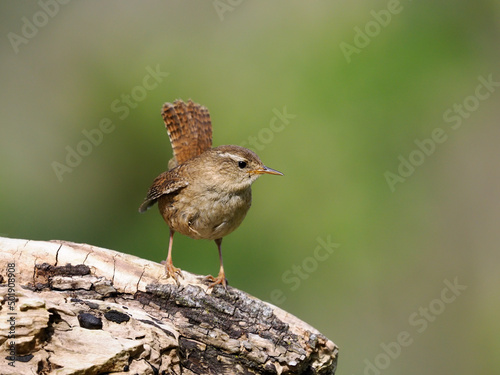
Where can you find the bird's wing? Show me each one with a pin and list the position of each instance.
(166, 183)
(189, 129)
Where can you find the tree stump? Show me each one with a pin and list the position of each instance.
(69, 308)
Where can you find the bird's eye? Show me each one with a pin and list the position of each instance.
(242, 164)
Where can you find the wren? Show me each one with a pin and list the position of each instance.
(206, 192)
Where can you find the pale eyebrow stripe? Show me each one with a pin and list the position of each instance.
(232, 156)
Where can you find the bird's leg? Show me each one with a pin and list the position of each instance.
(221, 278)
(170, 270)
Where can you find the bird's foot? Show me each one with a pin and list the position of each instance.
(221, 279)
(172, 271)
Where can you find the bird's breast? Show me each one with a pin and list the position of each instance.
(208, 214)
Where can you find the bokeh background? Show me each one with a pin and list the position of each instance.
(352, 118)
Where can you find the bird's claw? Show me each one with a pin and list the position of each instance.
(221, 279)
(172, 271)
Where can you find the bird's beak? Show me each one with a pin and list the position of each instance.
(266, 170)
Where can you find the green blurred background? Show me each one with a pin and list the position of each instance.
(354, 117)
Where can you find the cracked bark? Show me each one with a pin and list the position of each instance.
(81, 309)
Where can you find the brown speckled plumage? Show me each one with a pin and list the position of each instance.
(189, 129)
(206, 192)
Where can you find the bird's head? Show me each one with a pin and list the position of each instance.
(236, 167)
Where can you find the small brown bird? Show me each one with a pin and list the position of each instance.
(206, 192)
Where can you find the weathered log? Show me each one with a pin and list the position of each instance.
(70, 308)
